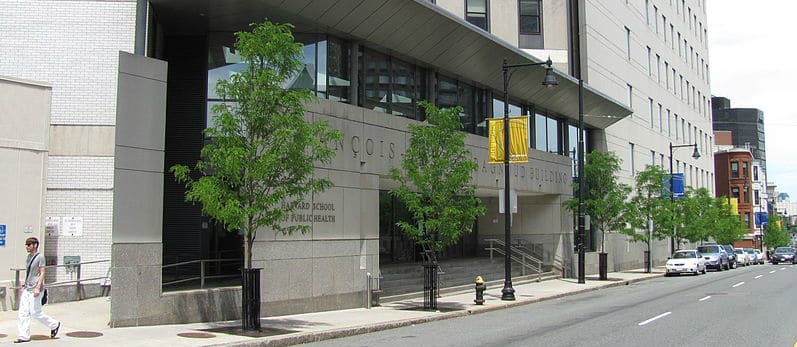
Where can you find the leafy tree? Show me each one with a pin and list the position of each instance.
(774, 235)
(649, 210)
(698, 212)
(729, 227)
(605, 198)
(262, 150)
(434, 180)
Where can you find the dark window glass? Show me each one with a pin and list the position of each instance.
(553, 135)
(746, 194)
(451, 93)
(745, 169)
(540, 132)
(403, 97)
(735, 192)
(376, 76)
(755, 173)
(735, 169)
(338, 78)
(529, 16)
(476, 13)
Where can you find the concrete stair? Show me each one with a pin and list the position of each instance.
(401, 281)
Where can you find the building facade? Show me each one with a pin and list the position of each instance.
(121, 119)
(746, 124)
(734, 169)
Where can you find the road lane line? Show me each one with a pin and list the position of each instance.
(706, 298)
(759, 276)
(773, 271)
(738, 284)
(654, 318)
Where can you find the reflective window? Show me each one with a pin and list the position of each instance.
(391, 85)
(529, 16)
(451, 93)
(476, 13)
(546, 133)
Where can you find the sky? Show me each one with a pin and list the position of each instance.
(752, 63)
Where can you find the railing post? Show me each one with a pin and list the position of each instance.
(202, 273)
(78, 276)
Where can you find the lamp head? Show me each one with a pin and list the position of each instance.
(696, 154)
(550, 80)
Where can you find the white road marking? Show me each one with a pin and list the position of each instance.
(706, 298)
(655, 318)
(738, 284)
(759, 276)
(773, 271)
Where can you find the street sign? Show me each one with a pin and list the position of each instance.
(2, 235)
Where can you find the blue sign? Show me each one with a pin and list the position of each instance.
(2, 235)
(760, 219)
(677, 183)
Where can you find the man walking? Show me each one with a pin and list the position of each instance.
(30, 300)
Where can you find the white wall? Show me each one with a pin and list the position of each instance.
(74, 46)
(24, 119)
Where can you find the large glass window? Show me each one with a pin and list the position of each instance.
(476, 13)
(325, 71)
(529, 16)
(391, 85)
(546, 133)
(735, 169)
(451, 92)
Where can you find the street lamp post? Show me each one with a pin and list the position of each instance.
(508, 293)
(695, 155)
(581, 186)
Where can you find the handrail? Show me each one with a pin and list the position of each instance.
(518, 255)
(77, 267)
(202, 277)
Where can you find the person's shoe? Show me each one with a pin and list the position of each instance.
(20, 341)
(54, 332)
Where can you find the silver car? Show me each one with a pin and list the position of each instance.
(715, 256)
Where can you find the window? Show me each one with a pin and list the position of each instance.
(630, 96)
(664, 27)
(631, 157)
(669, 122)
(655, 18)
(628, 43)
(650, 63)
(734, 169)
(745, 169)
(647, 12)
(756, 197)
(746, 194)
(451, 92)
(755, 174)
(667, 74)
(658, 68)
(546, 133)
(391, 85)
(652, 157)
(650, 100)
(661, 119)
(476, 13)
(529, 16)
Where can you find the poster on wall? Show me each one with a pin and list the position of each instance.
(52, 226)
(72, 226)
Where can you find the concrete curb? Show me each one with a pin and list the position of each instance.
(315, 336)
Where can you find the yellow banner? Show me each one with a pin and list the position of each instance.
(518, 140)
(734, 205)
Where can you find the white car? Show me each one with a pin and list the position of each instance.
(753, 255)
(759, 255)
(742, 258)
(686, 261)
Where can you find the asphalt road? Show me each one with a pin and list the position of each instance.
(752, 306)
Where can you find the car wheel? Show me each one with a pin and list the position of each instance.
(704, 270)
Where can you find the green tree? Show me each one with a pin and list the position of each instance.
(697, 214)
(729, 227)
(435, 179)
(605, 198)
(774, 235)
(649, 210)
(262, 151)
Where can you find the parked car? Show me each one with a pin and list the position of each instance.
(742, 259)
(686, 261)
(715, 256)
(760, 256)
(752, 255)
(782, 255)
(732, 261)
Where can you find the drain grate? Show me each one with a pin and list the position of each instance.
(84, 334)
(193, 335)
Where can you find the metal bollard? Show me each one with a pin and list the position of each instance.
(368, 290)
(480, 287)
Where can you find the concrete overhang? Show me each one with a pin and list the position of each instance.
(412, 29)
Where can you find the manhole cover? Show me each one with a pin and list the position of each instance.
(84, 334)
(263, 332)
(197, 335)
(3, 335)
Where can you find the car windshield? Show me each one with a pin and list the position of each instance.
(781, 250)
(708, 249)
(749, 251)
(682, 255)
(737, 251)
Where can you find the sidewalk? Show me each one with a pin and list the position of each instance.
(91, 317)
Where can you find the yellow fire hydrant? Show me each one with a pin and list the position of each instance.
(480, 287)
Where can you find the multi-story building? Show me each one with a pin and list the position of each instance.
(746, 124)
(734, 170)
(119, 120)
